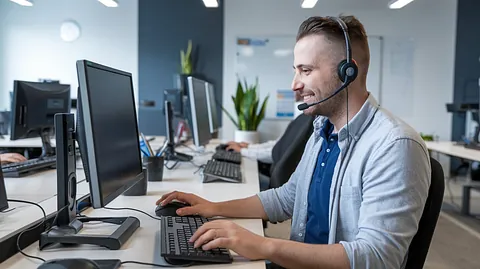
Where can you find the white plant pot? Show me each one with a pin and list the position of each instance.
(250, 137)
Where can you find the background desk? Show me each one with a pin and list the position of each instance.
(23, 143)
(36, 187)
(144, 243)
(449, 148)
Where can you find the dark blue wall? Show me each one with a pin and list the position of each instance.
(164, 29)
(467, 66)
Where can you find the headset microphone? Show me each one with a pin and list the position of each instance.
(305, 105)
(347, 69)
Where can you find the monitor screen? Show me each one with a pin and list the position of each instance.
(34, 105)
(107, 131)
(3, 192)
(199, 111)
(212, 107)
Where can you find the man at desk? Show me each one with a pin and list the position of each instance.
(11, 158)
(357, 195)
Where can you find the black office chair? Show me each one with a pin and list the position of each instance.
(288, 150)
(417, 252)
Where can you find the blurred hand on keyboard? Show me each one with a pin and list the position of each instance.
(226, 234)
(11, 158)
(198, 206)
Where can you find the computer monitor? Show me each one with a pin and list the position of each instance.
(3, 192)
(107, 131)
(212, 107)
(175, 97)
(198, 110)
(34, 106)
(168, 149)
(107, 135)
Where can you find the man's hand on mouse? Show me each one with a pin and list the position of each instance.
(198, 206)
(226, 234)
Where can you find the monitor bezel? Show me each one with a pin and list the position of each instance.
(95, 184)
(191, 92)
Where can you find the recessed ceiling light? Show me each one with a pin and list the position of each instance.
(309, 3)
(210, 3)
(25, 3)
(397, 4)
(109, 3)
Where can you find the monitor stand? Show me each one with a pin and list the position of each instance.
(47, 149)
(172, 155)
(68, 225)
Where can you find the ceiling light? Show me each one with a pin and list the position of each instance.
(25, 3)
(397, 4)
(309, 3)
(211, 3)
(109, 3)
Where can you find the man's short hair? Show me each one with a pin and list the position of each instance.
(330, 28)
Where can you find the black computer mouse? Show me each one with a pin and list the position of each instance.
(169, 209)
(221, 147)
(69, 264)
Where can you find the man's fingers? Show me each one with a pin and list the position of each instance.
(222, 242)
(210, 235)
(166, 199)
(188, 210)
(180, 196)
(216, 224)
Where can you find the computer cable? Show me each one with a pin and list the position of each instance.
(132, 209)
(29, 229)
(171, 167)
(156, 265)
(56, 217)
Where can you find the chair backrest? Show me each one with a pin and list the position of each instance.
(288, 150)
(417, 252)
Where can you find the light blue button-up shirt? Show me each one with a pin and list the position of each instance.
(378, 191)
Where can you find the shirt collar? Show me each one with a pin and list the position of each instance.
(356, 125)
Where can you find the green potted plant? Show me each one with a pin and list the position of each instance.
(186, 67)
(186, 60)
(249, 112)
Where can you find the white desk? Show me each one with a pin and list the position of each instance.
(450, 148)
(144, 243)
(37, 187)
(23, 143)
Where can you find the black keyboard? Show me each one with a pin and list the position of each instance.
(174, 235)
(472, 146)
(215, 170)
(29, 167)
(228, 156)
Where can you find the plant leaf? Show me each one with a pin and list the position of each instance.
(248, 102)
(238, 99)
(261, 114)
(230, 116)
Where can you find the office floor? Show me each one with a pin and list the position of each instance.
(455, 243)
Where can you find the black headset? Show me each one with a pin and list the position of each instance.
(347, 69)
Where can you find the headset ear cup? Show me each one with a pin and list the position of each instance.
(342, 70)
(347, 71)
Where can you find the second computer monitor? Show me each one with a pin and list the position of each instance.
(34, 106)
(199, 111)
(3, 192)
(107, 131)
(212, 107)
